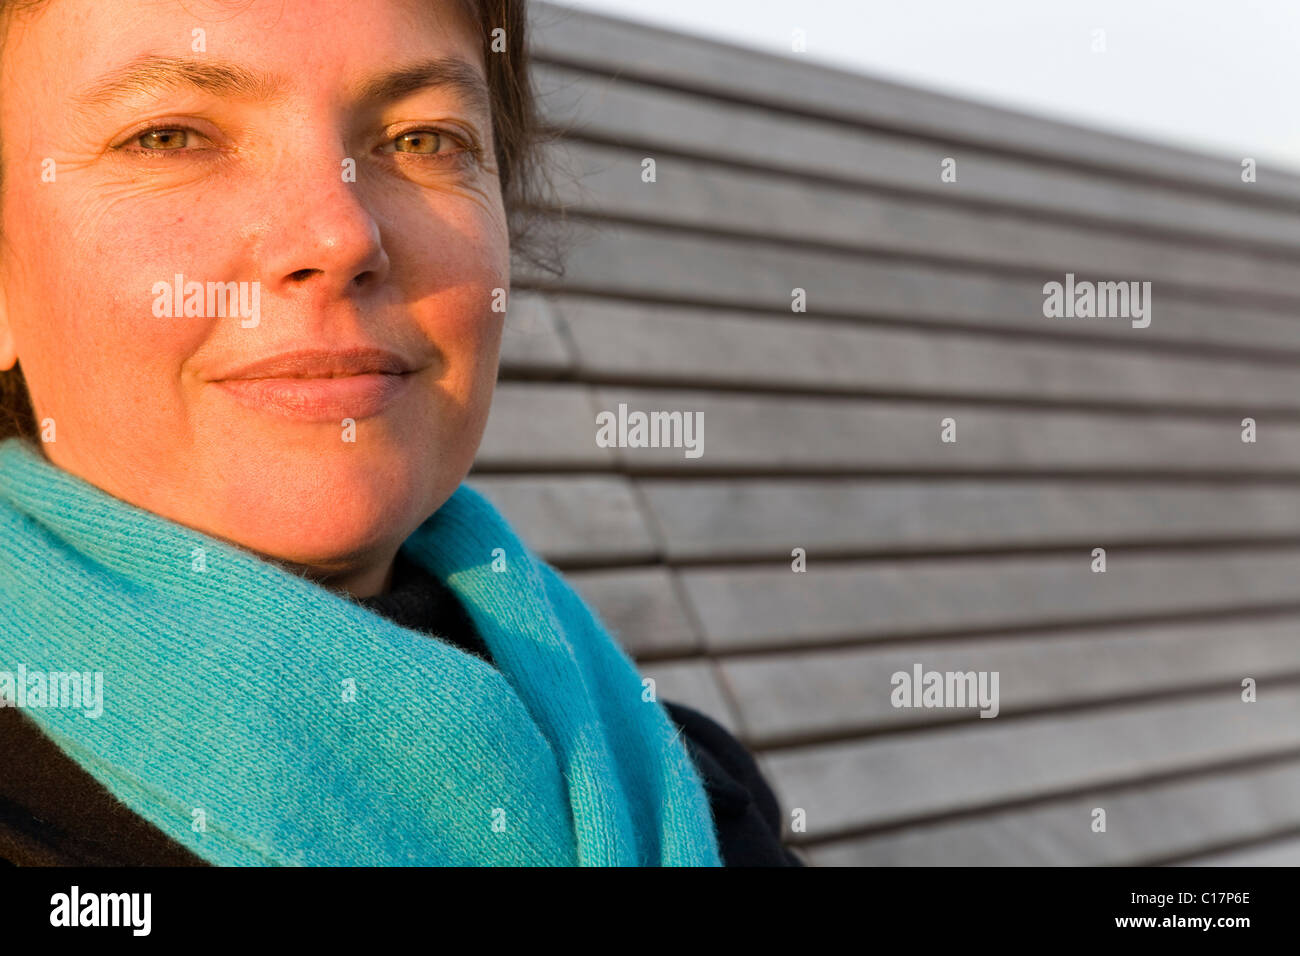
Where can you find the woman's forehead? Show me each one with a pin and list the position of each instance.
(152, 74)
(254, 48)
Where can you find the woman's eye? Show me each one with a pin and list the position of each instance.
(419, 142)
(165, 139)
(435, 145)
(162, 140)
(426, 141)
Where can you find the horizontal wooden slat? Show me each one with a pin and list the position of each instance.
(772, 434)
(893, 779)
(1153, 823)
(683, 345)
(752, 608)
(663, 264)
(648, 118)
(693, 684)
(706, 195)
(531, 339)
(836, 692)
(924, 302)
(641, 608)
(611, 47)
(1281, 853)
(571, 519)
(541, 426)
(726, 518)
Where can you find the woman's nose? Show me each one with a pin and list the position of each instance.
(319, 233)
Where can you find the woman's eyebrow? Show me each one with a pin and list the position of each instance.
(445, 72)
(151, 73)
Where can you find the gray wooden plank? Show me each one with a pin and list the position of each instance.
(690, 193)
(1154, 822)
(573, 518)
(685, 345)
(724, 518)
(657, 264)
(771, 434)
(636, 116)
(641, 608)
(834, 602)
(531, 339)
(891, 780)
(610, 46)
(540, 425)
(694, 684)
(785, 697)
(1279, 853)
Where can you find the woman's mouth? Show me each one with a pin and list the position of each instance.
(320, 385)
(320, 399)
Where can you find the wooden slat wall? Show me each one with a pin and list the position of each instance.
(1119, 690)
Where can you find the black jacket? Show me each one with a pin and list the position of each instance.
(54, 813)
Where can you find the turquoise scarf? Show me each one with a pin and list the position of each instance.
(260, 719)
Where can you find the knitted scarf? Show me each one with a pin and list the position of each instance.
(258, 718)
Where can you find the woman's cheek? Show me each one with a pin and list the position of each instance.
(475, 289)
(470, 336)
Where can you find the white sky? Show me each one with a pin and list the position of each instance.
(1220, 76)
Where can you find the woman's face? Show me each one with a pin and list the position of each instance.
(334, 161)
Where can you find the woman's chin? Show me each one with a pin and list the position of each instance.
(331, 524)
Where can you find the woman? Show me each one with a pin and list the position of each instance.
(250, 283)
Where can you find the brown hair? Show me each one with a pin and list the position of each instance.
(517, 135)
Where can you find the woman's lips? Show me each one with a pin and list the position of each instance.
(319, 399)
